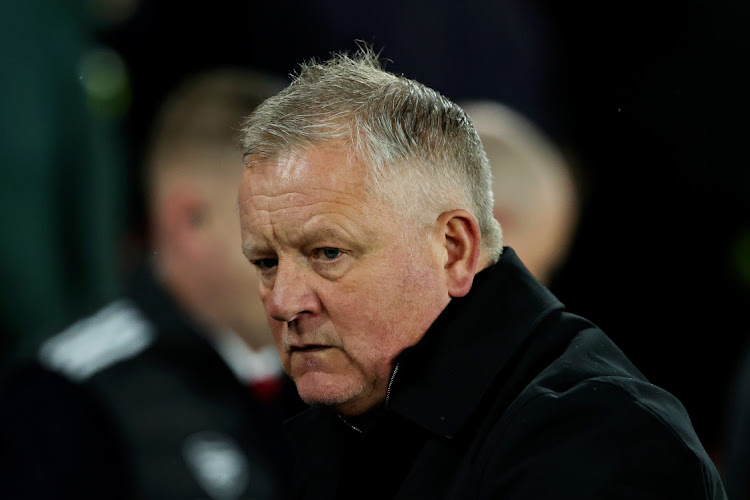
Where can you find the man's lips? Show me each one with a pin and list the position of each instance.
(308, 348)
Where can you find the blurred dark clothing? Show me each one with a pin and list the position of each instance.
(60, 178)
(508, 396)
(135, 402)
(735, 455)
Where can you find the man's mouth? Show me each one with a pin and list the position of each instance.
(308, 348)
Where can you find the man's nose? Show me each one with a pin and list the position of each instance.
(291, 294)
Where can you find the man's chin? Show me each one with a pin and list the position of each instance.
(322, 389)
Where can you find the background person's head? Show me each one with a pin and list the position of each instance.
(192, 172)
(536, 193)
(366, 205)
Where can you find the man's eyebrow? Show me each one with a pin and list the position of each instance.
(323, 233)
(249, 249)
(311, 236)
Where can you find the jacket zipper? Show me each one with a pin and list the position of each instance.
(349, 424)
(387, 400)
(390, 383)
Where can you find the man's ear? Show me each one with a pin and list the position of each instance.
(461, 238)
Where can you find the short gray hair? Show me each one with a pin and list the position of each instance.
(400, 129)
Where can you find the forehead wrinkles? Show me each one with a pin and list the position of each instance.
(318, 199)
(290, 213)
(299, 187)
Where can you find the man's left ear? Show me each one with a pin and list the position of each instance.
(462, 239)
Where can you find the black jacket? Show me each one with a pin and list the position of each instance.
(735, 453)
(134, 402)
(508, 396)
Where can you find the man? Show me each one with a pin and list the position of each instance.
(537, 194)
(152, 396)
(435, 364)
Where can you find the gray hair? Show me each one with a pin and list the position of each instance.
(400, 129)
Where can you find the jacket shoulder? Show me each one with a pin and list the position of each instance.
(117, 332)
(591, 425)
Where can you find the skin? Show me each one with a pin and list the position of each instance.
(197, 236)
(344, 291)
(228, 283)
(536, 199)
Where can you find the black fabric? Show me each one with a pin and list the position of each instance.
(56, 441)
(123, 431)
(509, 396)
(736, 446)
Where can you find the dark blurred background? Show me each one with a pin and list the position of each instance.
(648, 100)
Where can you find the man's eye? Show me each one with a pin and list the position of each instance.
(329, 253)
(265, 263)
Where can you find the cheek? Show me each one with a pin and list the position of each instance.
(415, 297)
(378, 317)
(361, 319)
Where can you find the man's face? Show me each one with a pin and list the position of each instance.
(343, 289)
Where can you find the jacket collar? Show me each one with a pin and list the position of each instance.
(172, 323)
(441, 380)
(438, 382)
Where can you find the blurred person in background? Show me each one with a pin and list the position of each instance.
(537, 194)
(173, 390)
(436, 365)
